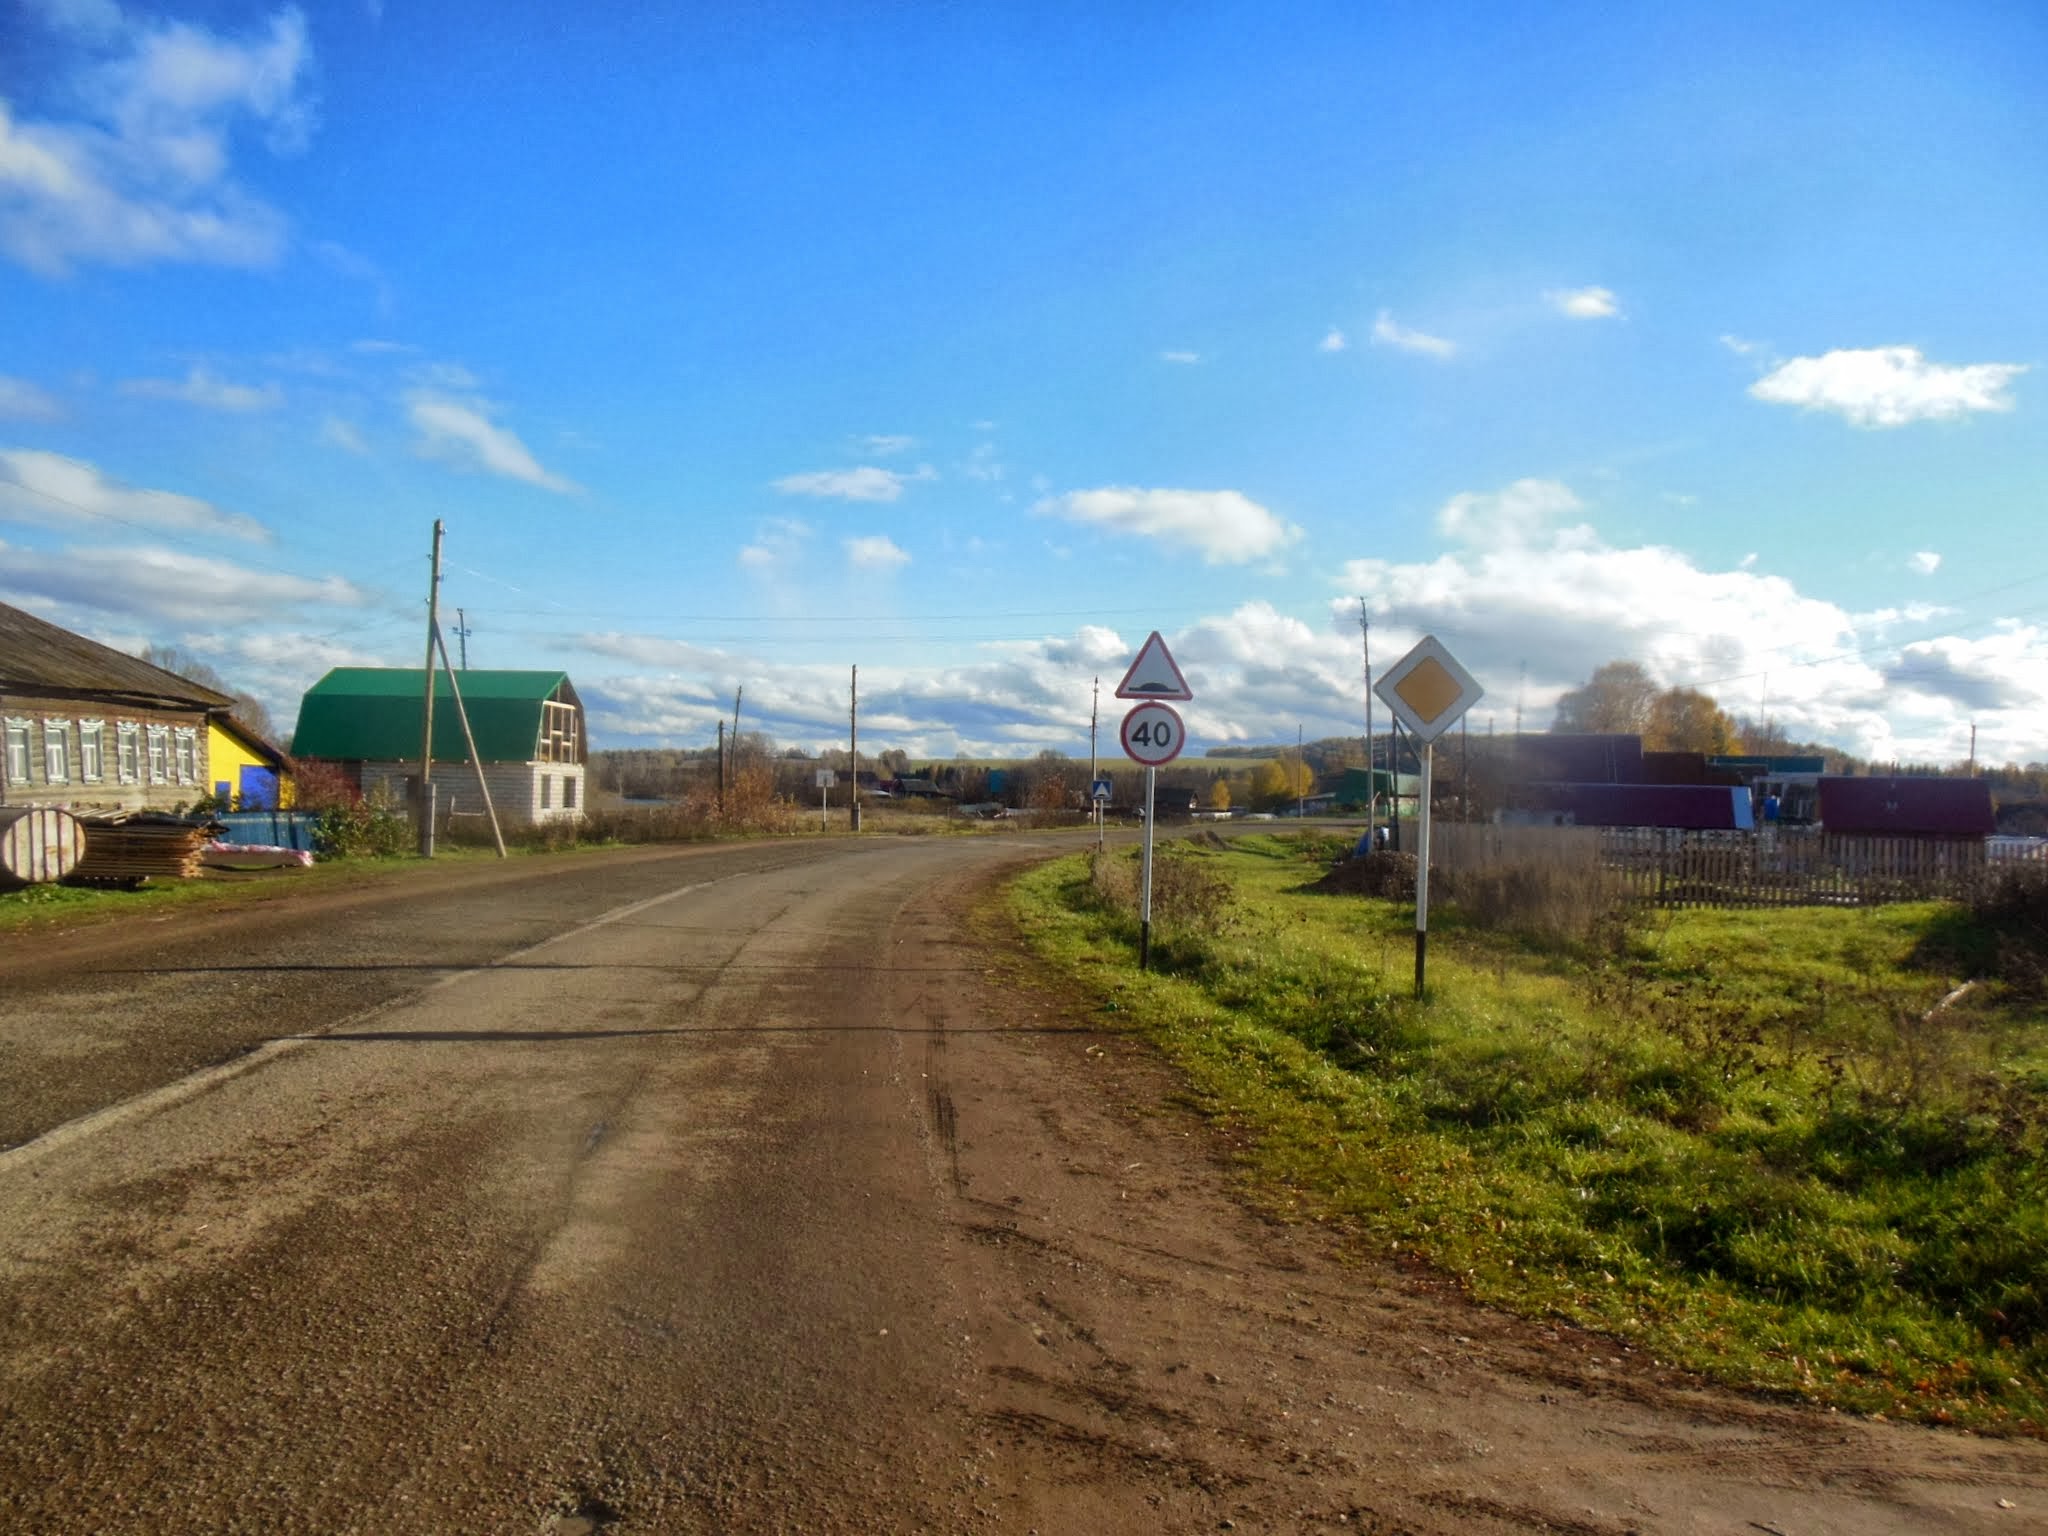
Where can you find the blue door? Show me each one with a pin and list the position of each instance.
(259, 789)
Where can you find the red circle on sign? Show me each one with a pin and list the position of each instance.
(1153, 735)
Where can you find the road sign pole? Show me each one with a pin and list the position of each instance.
(1422, 869)
(1145, 878)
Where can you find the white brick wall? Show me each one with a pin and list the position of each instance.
(516, 789)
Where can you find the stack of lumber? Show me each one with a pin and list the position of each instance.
(127, 848)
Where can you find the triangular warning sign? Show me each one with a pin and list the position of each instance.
(1153, 675)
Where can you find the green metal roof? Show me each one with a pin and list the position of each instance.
(373, 714)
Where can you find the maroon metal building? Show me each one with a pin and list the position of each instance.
(1903, 807)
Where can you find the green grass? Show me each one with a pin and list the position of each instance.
(1734, 1138)
(63, 906)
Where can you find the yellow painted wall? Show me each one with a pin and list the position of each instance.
(227, 754)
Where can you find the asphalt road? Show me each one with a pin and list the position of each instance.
(742, 1189)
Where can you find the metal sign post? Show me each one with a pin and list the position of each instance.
(1152, 734)
(1422, 870)
(1145, 877)
(826, 779)
(1428, 692)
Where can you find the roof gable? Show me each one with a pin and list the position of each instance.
(36, 655)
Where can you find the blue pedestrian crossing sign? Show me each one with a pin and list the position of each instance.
(1100, 790)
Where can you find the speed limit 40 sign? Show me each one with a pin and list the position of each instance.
(1153, 734)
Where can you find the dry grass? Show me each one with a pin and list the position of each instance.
(1545, 884)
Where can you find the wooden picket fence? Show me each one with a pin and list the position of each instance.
(1775, 867)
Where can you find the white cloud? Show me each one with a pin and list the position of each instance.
(1333, 342)
(777, 545)
(887, 444)
(343, 434)
(143, 173)
(1387, 332)
(1925, 561)
(23, 401)
(1888, 386)
(875, 552)
(1563, 601)
(866, 483)
(1584, 303)
(1740, 346)
(1521, 589)
(278, 665)
(1228, 527)
(1511, 516)
(983, 464)
(155, 583)
(460, 432)
(1180, 357)
(202, 387)
(52, 491)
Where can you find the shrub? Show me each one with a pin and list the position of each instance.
(1186, 892)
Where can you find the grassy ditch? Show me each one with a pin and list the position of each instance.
(1769, 1146)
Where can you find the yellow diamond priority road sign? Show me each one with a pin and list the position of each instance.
(1427, 690)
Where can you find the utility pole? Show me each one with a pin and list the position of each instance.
(1300, 776)
(426, 802)
(483, 787)
(733, 743)
(853, 750)
(1973, 749)
(721, 765)
(461, 639)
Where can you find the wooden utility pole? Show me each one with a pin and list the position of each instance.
(853, 751)
(462, 633)
(721, 765)
(483, 787)
(426, 801)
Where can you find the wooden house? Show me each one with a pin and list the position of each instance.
(529, 730)
(90, 728)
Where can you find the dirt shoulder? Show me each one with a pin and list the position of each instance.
(1200, 1354)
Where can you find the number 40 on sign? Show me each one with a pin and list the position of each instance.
(1153, 734)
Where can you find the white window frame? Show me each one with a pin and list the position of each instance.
(568, 791)
(128, 752)
(92, 750)
(547, 791)
(19, 763)
(187, 754)
(159, 754)
(56, 751)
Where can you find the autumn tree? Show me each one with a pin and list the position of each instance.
(1278, 782)
(1219, 793)
(1617, 699)
(1686, 720)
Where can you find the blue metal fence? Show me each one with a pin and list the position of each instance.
(282, 829)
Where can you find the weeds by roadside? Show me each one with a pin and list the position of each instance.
(1757, 1141)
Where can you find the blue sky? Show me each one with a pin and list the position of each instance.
(743, 344)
